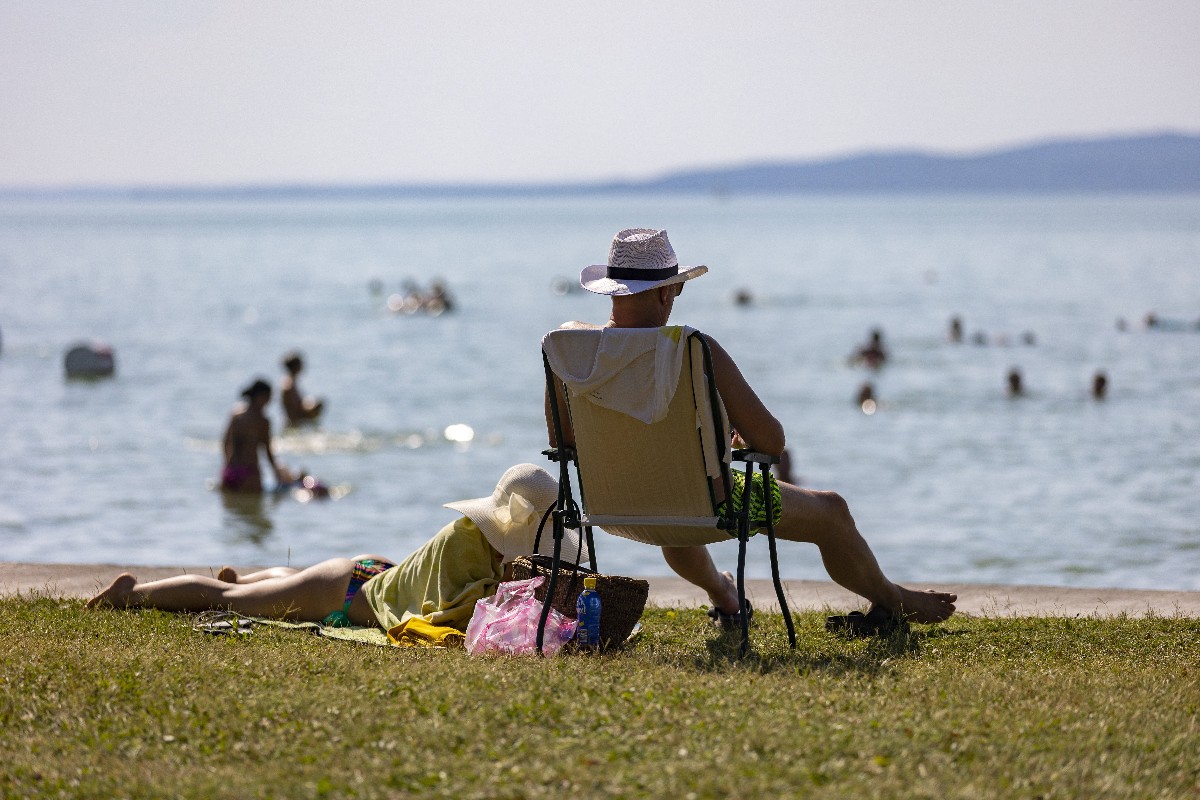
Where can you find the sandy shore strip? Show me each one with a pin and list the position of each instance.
(991, 600)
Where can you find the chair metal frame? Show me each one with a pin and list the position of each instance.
(567, 513)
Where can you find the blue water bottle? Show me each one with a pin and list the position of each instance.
(587, 611)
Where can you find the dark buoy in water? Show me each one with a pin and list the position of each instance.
(89, 360)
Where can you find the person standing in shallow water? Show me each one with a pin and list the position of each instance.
(296, 407)
(248, 431)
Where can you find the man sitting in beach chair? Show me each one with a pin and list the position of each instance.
(643, 277)
(652, 448)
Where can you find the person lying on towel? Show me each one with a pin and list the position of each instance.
(438, 583)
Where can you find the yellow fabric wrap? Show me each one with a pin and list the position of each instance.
(440, 582)
(416, 632)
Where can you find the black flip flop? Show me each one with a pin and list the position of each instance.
(878, 621)
(730, 622)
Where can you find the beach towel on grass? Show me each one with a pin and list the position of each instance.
(415, 632)
(630, 370)
(373, 635)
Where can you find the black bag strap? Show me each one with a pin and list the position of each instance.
(538, 558)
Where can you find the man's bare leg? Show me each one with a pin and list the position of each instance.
(824, 519)
(309, 595)
(695, 565)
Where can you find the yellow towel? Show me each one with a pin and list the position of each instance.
(416, 632)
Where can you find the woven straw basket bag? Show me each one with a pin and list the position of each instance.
(622, 600)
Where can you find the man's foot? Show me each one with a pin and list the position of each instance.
(117, 593)
(730, 622)
(882, 621)
(724, 612)
(228, 575)
(726, 601)
(927, 606)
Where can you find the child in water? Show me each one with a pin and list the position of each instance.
(298, 409)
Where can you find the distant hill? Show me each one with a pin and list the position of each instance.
(1164, 162)
(1159, 163)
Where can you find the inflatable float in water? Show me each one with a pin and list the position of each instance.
(89, 360)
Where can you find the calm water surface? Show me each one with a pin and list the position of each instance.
(949, 479)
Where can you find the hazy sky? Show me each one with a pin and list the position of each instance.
(203, 92)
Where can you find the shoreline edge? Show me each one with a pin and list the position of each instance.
(985, 600)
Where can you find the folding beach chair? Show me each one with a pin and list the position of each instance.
(657, 482)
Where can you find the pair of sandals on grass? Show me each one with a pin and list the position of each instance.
(878, 621)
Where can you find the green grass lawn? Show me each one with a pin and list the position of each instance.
(116, 704)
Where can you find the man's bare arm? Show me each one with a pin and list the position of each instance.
(757, 426)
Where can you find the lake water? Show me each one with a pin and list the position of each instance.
(949, 480)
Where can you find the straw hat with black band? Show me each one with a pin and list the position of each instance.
(639, 259)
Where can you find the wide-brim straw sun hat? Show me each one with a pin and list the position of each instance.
(510, 515)
(639, 259)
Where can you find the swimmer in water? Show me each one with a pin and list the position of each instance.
(1016, 387)
(956, 330)
(873, 353)
(866, 393)
(866, 399)
(298, 409)
(248, 431)
(438, 300)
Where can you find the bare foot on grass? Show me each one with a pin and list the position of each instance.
(117, 593)
(228, 575)
(927, 606)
